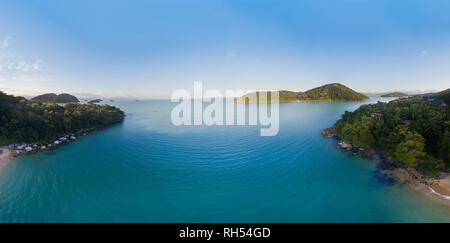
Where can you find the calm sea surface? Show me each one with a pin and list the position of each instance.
(148, 170)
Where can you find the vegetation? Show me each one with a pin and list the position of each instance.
(22, 120)
(54, 98)
(95, 101)
(410, 130)
(443, 96)
(329, 92)
(395, 94)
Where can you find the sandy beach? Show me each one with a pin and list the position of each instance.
(440, 190)
(5, 157)
(437, 190)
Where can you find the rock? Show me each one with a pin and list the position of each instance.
(73, 137)
(345, 145)
(43, 147)
(28, 149)
(56, 142)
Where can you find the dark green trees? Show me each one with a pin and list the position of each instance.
(410, 130)
(22, 120)
(329, 92)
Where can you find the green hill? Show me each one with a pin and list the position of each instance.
(22, 120)
(54, 98)
(410, 130)
(395, 94)
(45, 97)
(329, 92)
(443, 96)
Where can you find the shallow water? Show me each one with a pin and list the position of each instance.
(147, 170)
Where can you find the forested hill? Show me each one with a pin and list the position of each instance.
(412, 130)
(443, 96)
(22, 120)
(395, 94)
(329, 92)
(54, 98)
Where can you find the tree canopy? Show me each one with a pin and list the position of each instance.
(410, 130)
(22, 120)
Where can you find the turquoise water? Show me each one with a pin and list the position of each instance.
(147, 170)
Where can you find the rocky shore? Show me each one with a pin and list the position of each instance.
(29, 148)
(438, 188)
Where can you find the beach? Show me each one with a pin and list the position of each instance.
(5, 157)
(440, 191)
(437, 190)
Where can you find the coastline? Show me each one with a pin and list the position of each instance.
(5, 157)
(435, 189)
(15, 150)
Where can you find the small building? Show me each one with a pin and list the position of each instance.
(377, 115)
(406, 122)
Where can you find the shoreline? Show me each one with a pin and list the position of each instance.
(5, 157)
(17, 149)
(435, 189)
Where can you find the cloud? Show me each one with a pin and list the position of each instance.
(12, 63)
(423, 53)
(6, 43)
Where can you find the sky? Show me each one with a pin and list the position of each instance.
(148, 49)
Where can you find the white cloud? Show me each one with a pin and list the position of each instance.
(12, 63)
(6, 43)
(423, 53)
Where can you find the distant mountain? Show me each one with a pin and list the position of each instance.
(329, 92)
(45, 97)
(96, 101)
(443, 96)
(54, 98)
(395, 94)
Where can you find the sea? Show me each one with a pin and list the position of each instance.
(146, 169)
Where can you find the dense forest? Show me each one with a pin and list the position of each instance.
(411, 130)
(22, 120)
(54, 98)
(395, 94)
(329, 92)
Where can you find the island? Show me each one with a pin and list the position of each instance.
(54, 98)
(395, 94)
(29, 125)
(95, 101)
(410, 137)
(329, 92)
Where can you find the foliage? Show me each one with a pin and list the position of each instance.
(329, 92)
(51, 97)
(395, 94)
(411, 130)
(22, 120)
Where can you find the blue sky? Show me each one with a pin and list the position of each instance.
(147, 49)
